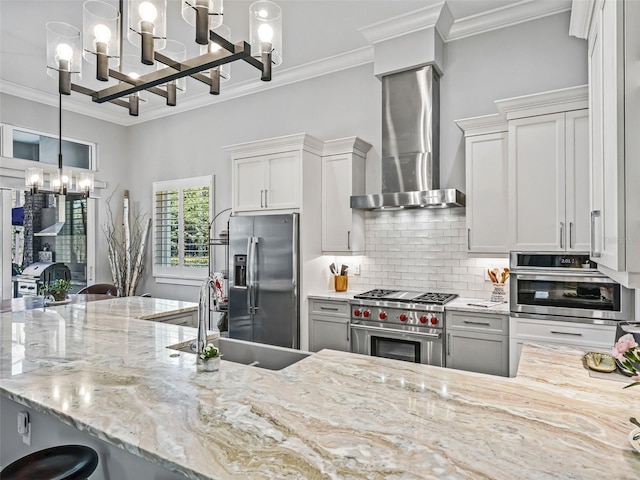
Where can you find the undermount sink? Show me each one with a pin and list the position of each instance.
(250, 353)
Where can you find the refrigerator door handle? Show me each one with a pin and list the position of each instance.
(253, 245)
(248, 274)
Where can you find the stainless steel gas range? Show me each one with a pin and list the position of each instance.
(402, 325)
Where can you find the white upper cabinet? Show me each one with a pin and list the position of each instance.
(527, 174)
(343, 175)
(268, 175)
(614, 101)
(549, 183)
(486, 184)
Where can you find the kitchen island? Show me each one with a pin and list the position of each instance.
(332, 415)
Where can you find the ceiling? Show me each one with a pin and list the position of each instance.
(318, 35)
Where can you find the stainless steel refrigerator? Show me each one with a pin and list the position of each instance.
(263, 279)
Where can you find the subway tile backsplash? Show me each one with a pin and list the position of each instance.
(422, 250)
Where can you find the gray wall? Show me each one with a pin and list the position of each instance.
(528, 58)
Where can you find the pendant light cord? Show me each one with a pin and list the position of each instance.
(60, 133)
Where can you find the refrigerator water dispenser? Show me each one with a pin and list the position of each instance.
(240, 270)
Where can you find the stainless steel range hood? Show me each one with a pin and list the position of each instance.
(54, 230)
(410, 145)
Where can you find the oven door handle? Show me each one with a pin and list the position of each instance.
(401, 332)
(565, 272)
(567, 278)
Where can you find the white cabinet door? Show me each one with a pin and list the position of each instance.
(329, 332)
(612, 221)
(336, 209)
(577, 170)
(248, 184)
(537, 183)
(282, 185)
(487, 193)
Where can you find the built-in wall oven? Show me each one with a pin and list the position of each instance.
(402, 325)
(567, 287)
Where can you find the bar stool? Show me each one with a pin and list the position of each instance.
(64, 462)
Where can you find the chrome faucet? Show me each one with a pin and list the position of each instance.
(203, 312)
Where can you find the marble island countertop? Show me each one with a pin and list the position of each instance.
(333, 415)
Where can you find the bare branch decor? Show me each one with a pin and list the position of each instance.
(126, 246)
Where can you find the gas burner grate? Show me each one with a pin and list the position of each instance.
(434, 298)
(376, 293)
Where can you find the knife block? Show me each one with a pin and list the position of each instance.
(340, 283)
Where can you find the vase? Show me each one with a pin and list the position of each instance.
(211, 364)
(498, 294)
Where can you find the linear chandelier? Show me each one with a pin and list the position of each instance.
(63, 181)
(162, 67)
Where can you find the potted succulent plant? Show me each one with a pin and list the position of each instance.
(210, 358)
(57, 289)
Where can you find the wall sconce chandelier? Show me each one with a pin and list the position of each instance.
(101, 43)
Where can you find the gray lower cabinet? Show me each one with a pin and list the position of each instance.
(329, 325)
(478, 342)
(187, 319)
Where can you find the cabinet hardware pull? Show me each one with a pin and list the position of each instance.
(448, 344)
(261, 198)
(265, 199)
(348, 239)
(468, 239)
(561, 234)
(468, 322)
(594, 253)
(571, 235)
(334, 309)
(566, 333)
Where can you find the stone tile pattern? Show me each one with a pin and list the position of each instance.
(423, 250)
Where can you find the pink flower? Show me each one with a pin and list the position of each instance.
(624, 343)
(636, 378)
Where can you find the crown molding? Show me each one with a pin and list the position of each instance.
(69, 102)
(325, 66)
(565, 99)
(520, 12)
(581, 15)
(341, 146)
(403, 24)
(297, 141)
(493, 123)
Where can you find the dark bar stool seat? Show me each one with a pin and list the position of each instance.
(64, 462)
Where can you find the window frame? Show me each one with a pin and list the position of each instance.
(180, 275)
(6, 147)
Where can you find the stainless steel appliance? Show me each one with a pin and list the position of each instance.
(411, 145)
(565, 287)
(263, 279)
(402, 325)
(38, 274)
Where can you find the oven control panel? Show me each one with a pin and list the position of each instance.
(397, 316)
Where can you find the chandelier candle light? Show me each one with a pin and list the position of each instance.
(101, 44)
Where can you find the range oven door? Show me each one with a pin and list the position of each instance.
(410, 346)
(562, 294)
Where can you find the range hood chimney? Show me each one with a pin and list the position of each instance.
(410, 145)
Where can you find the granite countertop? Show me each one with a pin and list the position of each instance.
(333, 415)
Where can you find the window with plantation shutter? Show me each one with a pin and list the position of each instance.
(181, 216)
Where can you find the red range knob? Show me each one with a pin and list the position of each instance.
(434, 320)
(383, 315)
(366, 313)
(423, 319)
(403, 317)
(357, 312)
